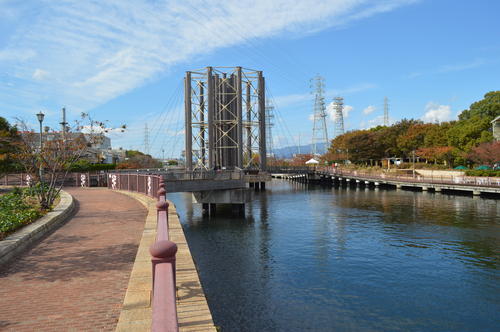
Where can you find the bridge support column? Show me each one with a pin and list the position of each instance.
(238, 209)
(399, 187)
(425, 188)
(205, 210)
(437, 189)
(476, 192)
(213, 208)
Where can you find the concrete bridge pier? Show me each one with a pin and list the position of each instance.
(437, 189)
(238, 209)
(476, 193)
(236, 198)
(424, 188)
(208, 209)
(399, 187)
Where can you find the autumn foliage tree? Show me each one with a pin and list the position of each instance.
(447, 142)
(486, 153)
(50, 165)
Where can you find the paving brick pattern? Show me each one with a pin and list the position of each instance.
(76, 278)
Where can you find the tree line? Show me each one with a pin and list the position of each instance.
(468, 140)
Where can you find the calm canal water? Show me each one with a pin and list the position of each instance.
(307, 258)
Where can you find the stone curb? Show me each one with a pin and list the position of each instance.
(17, 242)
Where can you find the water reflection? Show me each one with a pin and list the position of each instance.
(319, 259)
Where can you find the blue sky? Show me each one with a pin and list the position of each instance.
(123, 61)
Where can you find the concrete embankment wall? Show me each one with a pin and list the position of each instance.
(437, 173)
(192, 308)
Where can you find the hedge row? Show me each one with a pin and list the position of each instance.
(477, 172)
(88, 167)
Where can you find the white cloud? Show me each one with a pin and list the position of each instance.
(97, 50)
(436, 113)
(370, 109)
(455, 67)
(378, 121)
(331, 111)
(462, 66)
(40, 74)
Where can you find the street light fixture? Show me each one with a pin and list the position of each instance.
(40, 117)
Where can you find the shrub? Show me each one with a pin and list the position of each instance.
(16, 210)
(482, 172)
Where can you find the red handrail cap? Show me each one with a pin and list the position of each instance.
(163, 249)
(162, 205)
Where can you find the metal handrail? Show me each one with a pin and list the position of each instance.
(163, 251)
(445, 180)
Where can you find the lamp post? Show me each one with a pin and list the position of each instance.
(40, 117)
(413, 152)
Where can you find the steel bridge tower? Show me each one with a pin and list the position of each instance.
(225, 118)
(320, 133)
(338, 105)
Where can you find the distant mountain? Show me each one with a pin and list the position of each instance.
(289, 151)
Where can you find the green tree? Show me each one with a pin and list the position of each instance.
(9, 139)
(488, 108)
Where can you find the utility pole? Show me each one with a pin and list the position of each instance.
(40, 117)
(298, 147)
(413, 153)
(320, 133)
(146, 139)
(64, 124)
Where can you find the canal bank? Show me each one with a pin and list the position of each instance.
(317, 259)
(192, 310)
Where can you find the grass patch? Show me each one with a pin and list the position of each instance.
(17, 209)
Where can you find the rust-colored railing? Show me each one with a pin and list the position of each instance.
(164, 318)
(86, 179)
(147, 184)
(476, 181)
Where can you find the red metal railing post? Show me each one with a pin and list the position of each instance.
(163, 268)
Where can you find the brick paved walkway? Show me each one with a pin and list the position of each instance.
(75, 279)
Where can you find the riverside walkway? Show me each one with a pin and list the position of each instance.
(76, 278)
